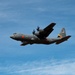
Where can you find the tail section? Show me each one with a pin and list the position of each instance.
(63, 39)
(62, 36)
(62, 33)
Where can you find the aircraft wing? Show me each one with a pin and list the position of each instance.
(46, 31)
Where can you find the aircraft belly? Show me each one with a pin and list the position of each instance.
(44, 41)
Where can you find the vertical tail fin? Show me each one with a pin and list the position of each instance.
(62, 33)
(62, 36)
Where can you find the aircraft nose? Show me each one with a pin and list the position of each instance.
(12, 37)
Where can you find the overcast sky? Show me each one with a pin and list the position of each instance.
(23, 16)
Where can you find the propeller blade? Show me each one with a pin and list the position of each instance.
(38, 28)
(33, 32)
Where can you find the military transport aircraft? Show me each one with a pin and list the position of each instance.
(40, 37)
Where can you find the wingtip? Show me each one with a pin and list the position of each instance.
(53, 23)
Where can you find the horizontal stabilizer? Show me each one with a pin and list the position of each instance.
(63, 39)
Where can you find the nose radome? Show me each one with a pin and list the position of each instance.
(11, 37)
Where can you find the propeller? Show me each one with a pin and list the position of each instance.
(38, 28)
(33, 32)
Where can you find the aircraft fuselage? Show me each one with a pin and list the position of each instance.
(40, 37)
(31, 39)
